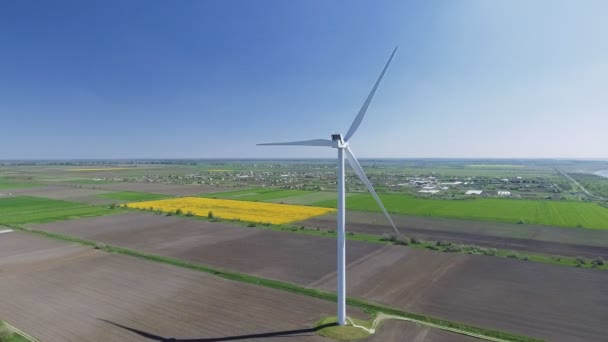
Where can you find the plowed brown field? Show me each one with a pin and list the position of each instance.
(553, 302)
(521, 237)
(61, 292)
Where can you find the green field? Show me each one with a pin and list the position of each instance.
(20, 210)
(550, 213)
(6, 183)
(542, 212)
(275, 196)
(131, 196)
(256, 194)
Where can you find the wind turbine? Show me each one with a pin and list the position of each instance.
(341, 143)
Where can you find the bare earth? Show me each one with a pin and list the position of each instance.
(291, 257)
(59, 292)
(532, 238)
(63, 292)
(553, 302)
(405, 331)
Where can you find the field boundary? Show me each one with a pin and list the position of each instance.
(488, 334)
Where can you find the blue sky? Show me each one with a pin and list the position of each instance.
(209, 79)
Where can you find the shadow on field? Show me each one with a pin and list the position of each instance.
(285, 333)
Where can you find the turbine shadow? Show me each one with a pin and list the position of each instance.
(285, 333)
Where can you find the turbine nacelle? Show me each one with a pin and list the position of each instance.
(338, 141)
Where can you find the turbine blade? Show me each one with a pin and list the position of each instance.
(354, 163)
(359, 117)
(314, 142)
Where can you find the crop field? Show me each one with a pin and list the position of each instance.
(6, 183)
(19, 210)
(61, 292)
(537, 212)
(565, 241)
(131, 196)
(234, 210)
(137, 300)
(505, 294)
(159, 188)
(542, 212)
(276, 196)
(212, 242)
(497, 293)
(66, 193)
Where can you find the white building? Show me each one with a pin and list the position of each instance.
(429, 191)
(473, 192)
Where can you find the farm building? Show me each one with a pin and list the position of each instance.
(504, 193)
(429, 191)
(473, 192)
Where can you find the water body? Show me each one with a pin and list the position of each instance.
(603, 173)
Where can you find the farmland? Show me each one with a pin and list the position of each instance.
(159, 188)
(18, 210)
(276, 196)
(104, 297)
(549, 213)
(234, 210)
(12, 184)
(597, 185)
(416, 280)
(131, 196)
(523, 237)
(298, 247)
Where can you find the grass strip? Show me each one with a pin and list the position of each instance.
(289, 287)
(8, 333)
(131, 196)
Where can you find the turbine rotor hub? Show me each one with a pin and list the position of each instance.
(338, 141)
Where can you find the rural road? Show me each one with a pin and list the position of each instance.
(582, 187)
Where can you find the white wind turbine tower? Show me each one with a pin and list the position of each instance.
(341, 143)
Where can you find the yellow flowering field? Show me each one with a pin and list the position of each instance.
(233, 210)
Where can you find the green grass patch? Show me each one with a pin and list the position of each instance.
(131, 196)
(7, 183)
(288, 287)
(328, 327)
(300, 197)
(540, 212)
(257, 194)
(543, 212)
(25, 209)
(8, 335)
